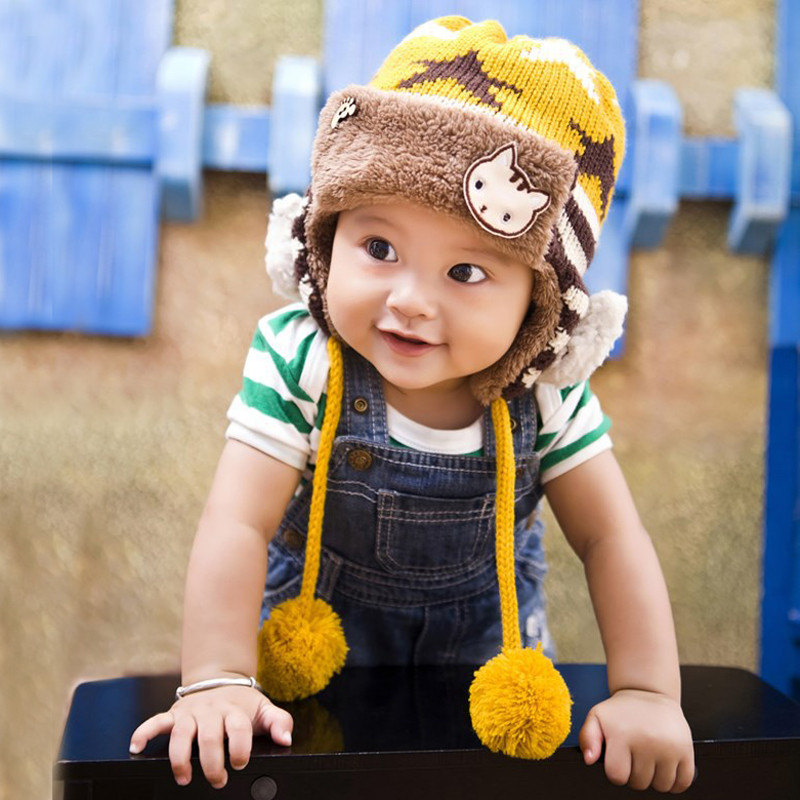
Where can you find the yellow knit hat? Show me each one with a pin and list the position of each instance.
(458, 113)
(524, 139)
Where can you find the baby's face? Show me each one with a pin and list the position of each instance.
(423, 296)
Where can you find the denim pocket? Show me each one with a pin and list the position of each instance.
(430, 534)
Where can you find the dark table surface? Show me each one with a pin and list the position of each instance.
(405, 732)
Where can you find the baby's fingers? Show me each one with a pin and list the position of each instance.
(277, 722)
(643, 773)
(149, 729)
(240, 738)
(180, 748)
(687, 772)
(618, 762)
(591, 739)
(665, 777)
(210, 744)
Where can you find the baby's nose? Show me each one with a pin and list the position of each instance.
(411, 298)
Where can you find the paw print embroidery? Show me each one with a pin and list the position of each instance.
(345, 110)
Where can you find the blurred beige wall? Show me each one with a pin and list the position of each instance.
(107, 447)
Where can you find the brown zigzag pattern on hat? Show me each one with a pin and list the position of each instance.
(468, 71)
(597, 160)
(581, 227)
(565, 271)
(568, 278)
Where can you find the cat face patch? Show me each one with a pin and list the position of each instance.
(500, 195)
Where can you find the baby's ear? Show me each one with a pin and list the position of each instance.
(591, 341)
(282, 247)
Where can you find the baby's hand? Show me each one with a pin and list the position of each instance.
(647, 741)
(237, 712)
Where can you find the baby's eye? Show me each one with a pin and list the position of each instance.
(467, 273)
(381, 250)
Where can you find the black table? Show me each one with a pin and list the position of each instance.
(393, 733)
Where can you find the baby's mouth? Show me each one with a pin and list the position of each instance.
(405, 343)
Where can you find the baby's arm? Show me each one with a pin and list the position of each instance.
(222, 602)
(647, 739)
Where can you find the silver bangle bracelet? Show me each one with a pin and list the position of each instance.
(215, 683)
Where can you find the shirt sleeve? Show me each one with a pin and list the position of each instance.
(572, 428)
(280, 406)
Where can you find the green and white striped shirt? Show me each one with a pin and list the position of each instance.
(280, 407)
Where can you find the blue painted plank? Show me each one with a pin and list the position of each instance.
(93, 75)
(15, 27)
(762, 190)
(784, 300)
(780, 656)
(296, 99)
(122, 132)
(787, 69)
(18, 229)
(59, 71)
(84, 256)
(780, 611)
(654, 162)
(236, 138)
(126, 279)
(181, 88)
(708, 169)
(358, 36)
(146, 27)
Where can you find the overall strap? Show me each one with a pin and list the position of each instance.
(522, 410)
(363, 406)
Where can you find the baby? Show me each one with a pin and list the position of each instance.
(398, 427)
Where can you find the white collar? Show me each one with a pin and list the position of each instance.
(434, 440)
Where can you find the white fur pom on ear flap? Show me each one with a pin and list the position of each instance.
(591, 341)
(282, 248)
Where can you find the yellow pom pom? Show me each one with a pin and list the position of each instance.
(300, 648)
(520, 705)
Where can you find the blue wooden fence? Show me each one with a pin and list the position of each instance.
(100, 127)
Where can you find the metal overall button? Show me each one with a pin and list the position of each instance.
(514, 423)
(293, 539)
(360, 405)
(359, 459)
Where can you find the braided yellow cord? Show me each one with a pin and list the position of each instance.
(504, 524)
(319, 489)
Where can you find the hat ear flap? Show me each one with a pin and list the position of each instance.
(590, 342)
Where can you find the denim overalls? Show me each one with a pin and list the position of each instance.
(408, 539)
